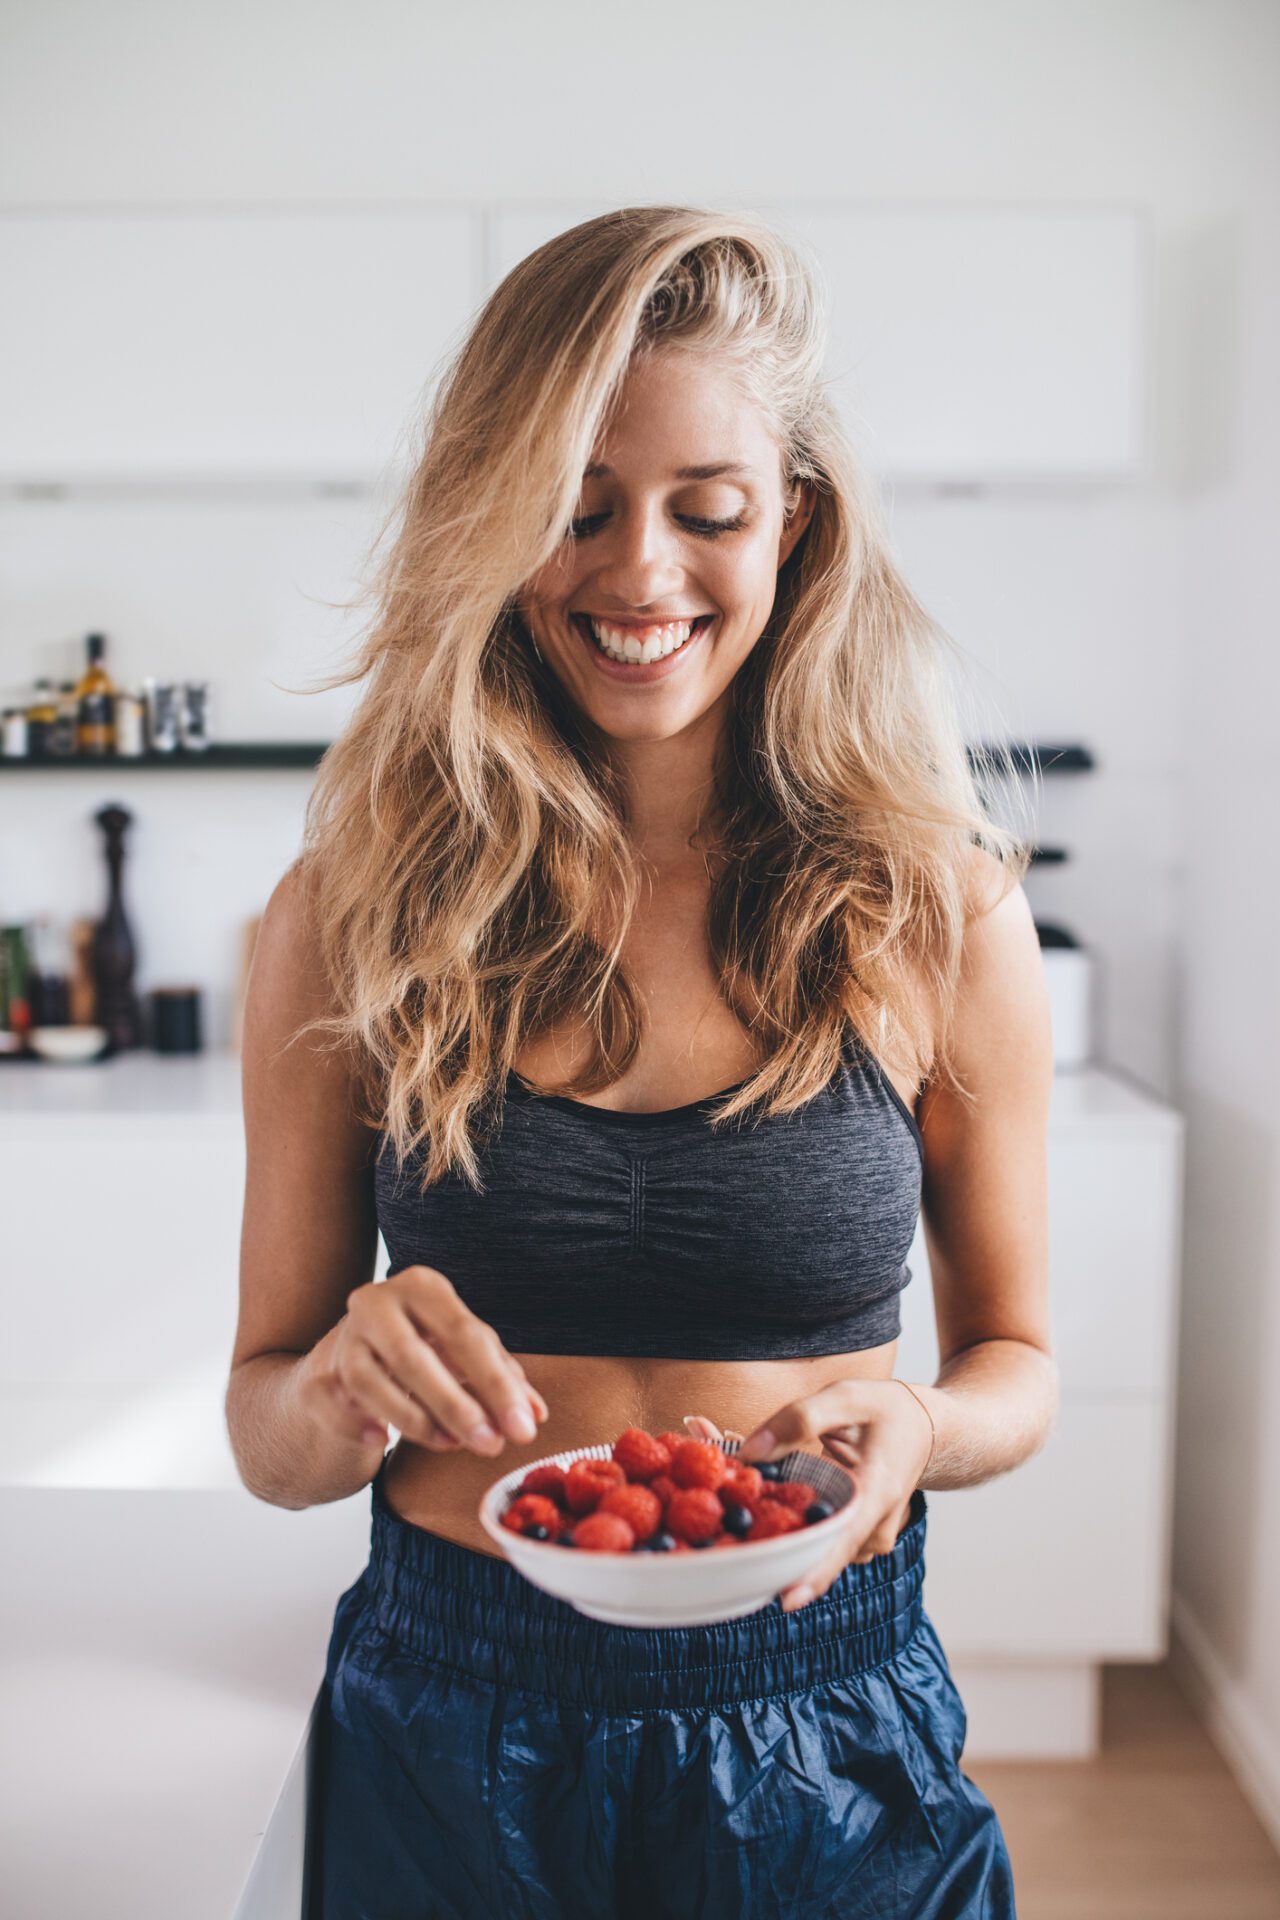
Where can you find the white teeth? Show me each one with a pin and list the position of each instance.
(623, 643)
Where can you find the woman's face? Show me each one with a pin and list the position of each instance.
(655, 547)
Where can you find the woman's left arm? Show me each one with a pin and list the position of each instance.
(984, 1204)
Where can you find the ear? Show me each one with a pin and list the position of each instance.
(796, 521)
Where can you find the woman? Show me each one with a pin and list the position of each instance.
(667, 959)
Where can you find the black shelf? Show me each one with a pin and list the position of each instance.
(1014, 756)
(248, 755)
(998, 759)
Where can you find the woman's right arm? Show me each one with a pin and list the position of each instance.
(323, 1355)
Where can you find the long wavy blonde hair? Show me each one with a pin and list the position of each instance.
(466, 860)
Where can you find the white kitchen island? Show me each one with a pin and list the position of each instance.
(165, 1632)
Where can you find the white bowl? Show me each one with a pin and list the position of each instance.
(67, 1043)
(672, 1589)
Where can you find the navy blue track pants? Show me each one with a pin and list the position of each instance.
(485, 1752)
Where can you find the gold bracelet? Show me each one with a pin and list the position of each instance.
(932, 1429)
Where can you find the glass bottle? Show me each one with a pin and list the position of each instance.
(95, 703)
(42, 716)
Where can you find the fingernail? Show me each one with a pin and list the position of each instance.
(371, 1434)
(482, 1434)
(799, 1597)
(763, 1442)
(519, 1424)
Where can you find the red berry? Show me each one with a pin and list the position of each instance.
(604, 1533)
(533, 1510)
(641, 1509)
(587, 1482)
(664, 1486)
(640, 1455)
(548, 1480)
(698, 1463)
(694, 1513)
(773, 1517)
(793, 1493)
(672, 1440)
(742, 1487)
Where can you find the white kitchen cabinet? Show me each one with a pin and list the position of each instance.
(967, 343)
(223, 345)
(1037, 1577)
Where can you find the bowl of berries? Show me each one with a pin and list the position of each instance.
(661, 1530)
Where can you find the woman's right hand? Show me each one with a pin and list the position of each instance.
(403, 1355)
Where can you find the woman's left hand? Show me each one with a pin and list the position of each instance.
(880, 1434)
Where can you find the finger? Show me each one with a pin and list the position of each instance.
(844, 1403)
(458, 1347)
(701, 1428)
(429, 1306)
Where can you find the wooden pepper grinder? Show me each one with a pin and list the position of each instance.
(113, 953)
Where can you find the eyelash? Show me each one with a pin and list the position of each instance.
(704, 529)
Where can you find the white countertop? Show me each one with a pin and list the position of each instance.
(143, 1085)
(160, 1661)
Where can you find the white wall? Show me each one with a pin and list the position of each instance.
(1132, 618)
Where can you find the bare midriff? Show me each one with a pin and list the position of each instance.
(591, 1400)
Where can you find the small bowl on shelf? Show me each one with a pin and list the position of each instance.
(672, 1589)
(71, 1045)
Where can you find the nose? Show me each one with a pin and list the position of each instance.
(640, 557)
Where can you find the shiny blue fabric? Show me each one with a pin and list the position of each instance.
(485, 1752)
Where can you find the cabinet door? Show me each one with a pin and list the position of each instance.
(1114, 1248)
(1067, 1556)
(223, 345)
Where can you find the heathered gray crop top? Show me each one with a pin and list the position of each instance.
(645, 1234)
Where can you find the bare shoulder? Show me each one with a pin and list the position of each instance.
(1001, 1039)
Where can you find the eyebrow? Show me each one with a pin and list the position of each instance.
(710, 472)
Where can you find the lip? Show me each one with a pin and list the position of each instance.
(636, 620)
(637, 672)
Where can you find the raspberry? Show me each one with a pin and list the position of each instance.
(604, 1533)
(548, 1480)
(587, 1482)
(698, 1463)
(664, 1486)
(533, 1510)
(641, 1509)
(793, 1493)
(672, 1440)
(639, 1455)
(773, 1517)
(742, 1486)
(694, 1514)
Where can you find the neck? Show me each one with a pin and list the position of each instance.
(669, 784)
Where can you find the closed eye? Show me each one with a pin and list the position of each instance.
(704, 529)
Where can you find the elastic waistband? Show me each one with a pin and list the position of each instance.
(475, 1613)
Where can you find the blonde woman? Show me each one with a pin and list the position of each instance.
(650, 961)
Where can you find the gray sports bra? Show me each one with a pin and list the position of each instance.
(645, 1234)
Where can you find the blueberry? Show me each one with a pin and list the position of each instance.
(661, 1542)
(770, 1469)
(537, 1531)
(738, 1520)
(820, 1510)
(566, 1540)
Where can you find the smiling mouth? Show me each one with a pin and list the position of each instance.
(639, 646)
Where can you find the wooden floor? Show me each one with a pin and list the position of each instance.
(1154, 1829)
